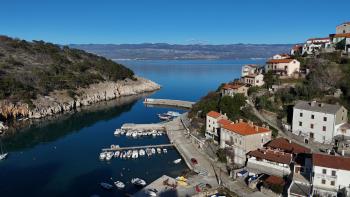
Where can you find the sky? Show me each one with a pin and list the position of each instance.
(171, 21)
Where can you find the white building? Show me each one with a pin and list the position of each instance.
(280, 56)
(242, 137)
(340, 37)
(317, 121)
(232, 89)
(283, 67)
(212, 130)
(253, 80)
(343, 28)
(250, 69)
(331, 175)
(314, 45)
(296, 50)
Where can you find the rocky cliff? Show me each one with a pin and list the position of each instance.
(62, 100)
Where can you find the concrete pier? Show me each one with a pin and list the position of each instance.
(143, 127)
(169, 102)
(137, 147)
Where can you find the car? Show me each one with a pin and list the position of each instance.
(194, 161)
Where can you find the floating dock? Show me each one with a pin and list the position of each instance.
(143, 127)
(169, 102)
(137, 147)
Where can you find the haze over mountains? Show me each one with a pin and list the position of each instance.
(177, 51)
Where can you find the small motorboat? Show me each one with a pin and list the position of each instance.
(142, 152)
(177, 161)
(119, 184)
(3, 156)
(116, 154)
(165, 150)
(153, 151)
(138, 182)
(103, 155)
(117, 132)
(173, 113)
(106, 185)
(148, 151)
(134, 134)
(129, 153)
(159, 150)
(164, 116)
(135, 154)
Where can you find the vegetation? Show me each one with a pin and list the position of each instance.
(31, 68)
(221, 153)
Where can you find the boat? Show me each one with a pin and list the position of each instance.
(135, 154)
(119, 184)
(173, 113)
(165, 150)
(164, 117)
(142, 152)
(153, 151)
(109, 156)
(103, 155)
(106, 185)
(159, 150)
(138, 182)
(117, 132)
(121, 155)
(134, 134)
(116, 154)
(177, 161)
(148, 151)
(129, 153)
(3, 155)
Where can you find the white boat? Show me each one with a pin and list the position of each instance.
(159, 150)
(153, 151)
(106, 185)
(103, 155)
(117, 132)
(129, 153)
(119, 184)
(109, 157)
(142, 152)
(165, 150)
(164, 117)
(135, 154)
(134, 135)
(3, 155)
(173, 113)
(121, 155)
(177, 161)
(116, 154)
(138, 182)
(148, 151)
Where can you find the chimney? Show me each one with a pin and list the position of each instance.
(290, 141)
(343, 152)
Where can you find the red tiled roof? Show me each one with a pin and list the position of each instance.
(278, 61)
(214, 114)
(274, 180)
(346, 35)
(244, 128)
(313, 39)
(232, 86)
(285, 145)
(331, 161)
(297, 47)
(271, 155)
(224, 122)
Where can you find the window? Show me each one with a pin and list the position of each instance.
(311, 126)
(323, 181)
(324, 171)
(324, 118)
(324, 128)
(332, 183)
(312, 116)
(300, 123)
(334, 173)
(301, 114)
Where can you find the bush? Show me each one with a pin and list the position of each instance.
(221, 154)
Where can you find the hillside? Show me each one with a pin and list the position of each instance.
(176, 51)
(39, 79)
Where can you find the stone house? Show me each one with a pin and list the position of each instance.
(343, 28)
(283, 67)
(232, 89)
(253, 80)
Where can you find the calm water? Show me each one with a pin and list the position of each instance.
(59, 156)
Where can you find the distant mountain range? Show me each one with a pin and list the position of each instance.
(177, 51)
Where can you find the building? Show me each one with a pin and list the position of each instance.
(212, 130)
(296, 50)
(314, 45)
(281, 56)
(242, 137)
(336, 38)
(250, 69)
(287, 146)
(232, 89)
(283, 67)
(301, 185)
(343, 28)
(331, 175)
(268, 161)
(253, 80)
(317, 121)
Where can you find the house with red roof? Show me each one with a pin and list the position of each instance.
(232, 89)
(283, 67)
(242, 137)
(212, 130)
(331, 175)
(296, 50)
(315, 45)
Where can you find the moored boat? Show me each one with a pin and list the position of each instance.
(177, 161)
(119, 184)
(165, 150)
(103, 155)
(138, 182)
(106, 185)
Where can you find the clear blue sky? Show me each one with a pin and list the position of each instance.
(172, 21)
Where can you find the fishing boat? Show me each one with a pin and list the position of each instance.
(138, 182)
(165, 150)
(119, 184)
(102, 155)
(159, 150)
(3, 155)
(106, 185)
(177, 161)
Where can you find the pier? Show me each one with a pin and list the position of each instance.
(137, 147)
(143, 127)
(169, 102)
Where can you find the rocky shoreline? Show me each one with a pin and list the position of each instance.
(62, 101)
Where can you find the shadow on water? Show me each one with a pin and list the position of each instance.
(42, 174)
(51, 128)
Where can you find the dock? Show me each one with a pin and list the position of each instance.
(143, 127)
(165, 185)
(169, 102)
(137, 147)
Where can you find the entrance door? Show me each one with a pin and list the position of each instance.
(311, 135)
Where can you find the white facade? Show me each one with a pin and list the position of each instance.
(212, 127)
(283, 67)
(280, 56)
(249, 69)
(319, 126)
(316, 44)
(254, 80)
(343, 28)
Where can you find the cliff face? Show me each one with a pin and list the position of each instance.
(61, 101)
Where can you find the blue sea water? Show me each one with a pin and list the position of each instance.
(59, 156)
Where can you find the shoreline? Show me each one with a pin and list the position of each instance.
(60, 101)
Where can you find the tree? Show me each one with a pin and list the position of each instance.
(231, 105)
